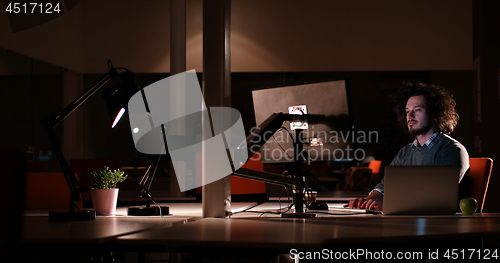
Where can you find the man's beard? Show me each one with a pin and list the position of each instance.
(419, 131)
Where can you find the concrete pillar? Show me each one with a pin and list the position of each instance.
(216, 89)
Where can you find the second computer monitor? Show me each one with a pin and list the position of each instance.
(328, 134)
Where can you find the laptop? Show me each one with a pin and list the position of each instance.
(421, 190)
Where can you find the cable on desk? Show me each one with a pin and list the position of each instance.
(265, 212)
(278, 212)
(288, 191)
(159, 208)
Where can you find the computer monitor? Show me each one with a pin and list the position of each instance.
(330, 134)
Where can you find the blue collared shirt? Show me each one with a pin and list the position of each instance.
(429, 143)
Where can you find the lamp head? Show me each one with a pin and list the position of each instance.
(117, 98)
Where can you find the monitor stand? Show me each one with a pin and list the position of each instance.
(298, 192)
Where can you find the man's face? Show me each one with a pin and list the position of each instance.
(416, 115)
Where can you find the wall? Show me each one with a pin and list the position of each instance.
(29, 91)
(57, 42)
(351, 35)
(278, 35)
(487, 92)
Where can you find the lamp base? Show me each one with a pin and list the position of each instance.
(148, 211)
(83, 215)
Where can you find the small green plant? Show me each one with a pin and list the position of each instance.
(107, 179)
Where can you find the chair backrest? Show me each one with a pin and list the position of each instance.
(375, 166)
(358, 179)
(247, 186)
(48, 190)
(479, 175)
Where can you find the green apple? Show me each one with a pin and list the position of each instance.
(468, 205)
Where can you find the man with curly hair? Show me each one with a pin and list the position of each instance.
(427, 112)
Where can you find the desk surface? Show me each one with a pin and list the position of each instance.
(185, 229)
(269, 231)
(277, 233)
(37, 229)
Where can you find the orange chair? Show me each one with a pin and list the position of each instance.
(247, 186)
(375, 165)
(479, 175)
(363, 178)
(47, 190)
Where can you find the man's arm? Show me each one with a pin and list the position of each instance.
(456, 154)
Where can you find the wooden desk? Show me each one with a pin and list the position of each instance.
(44, 238)
(37, 229)
(253, 235)
(244, 233)
(277, 233)
(77, 241)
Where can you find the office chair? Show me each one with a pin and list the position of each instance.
(240, 186)
(375, 165)
(358, 179)
(363, 178)
(47, 190)
(479, 175)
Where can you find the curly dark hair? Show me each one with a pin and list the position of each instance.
(440, 105)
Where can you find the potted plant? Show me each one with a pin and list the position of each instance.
(105, 194)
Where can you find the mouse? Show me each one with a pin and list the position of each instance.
(318, 205)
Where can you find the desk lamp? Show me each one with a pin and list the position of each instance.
(114, 97)
(117, 98)
(146, 180)
(144, 186)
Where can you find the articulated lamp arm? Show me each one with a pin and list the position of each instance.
(51, 121)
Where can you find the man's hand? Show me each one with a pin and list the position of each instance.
(362, 203)
(372, 202)
(356, 203)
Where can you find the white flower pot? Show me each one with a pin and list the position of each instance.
(104, 201)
